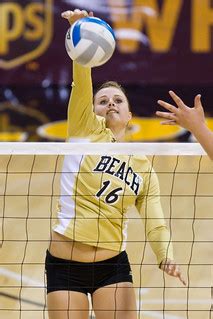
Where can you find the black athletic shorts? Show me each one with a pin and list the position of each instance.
(86, 277)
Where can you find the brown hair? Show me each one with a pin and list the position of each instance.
(113, 84)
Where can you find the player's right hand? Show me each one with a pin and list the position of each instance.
(75, 15)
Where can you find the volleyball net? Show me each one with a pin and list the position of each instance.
(29, 190)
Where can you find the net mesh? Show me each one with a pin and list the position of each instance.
(29, 190)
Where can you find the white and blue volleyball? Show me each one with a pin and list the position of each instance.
(90, 42)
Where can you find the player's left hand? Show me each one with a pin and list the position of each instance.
(172, 269)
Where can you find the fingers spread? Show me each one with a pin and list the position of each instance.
(166, 115)
(197, 101)
(168, 106)
(169, 122)
(177, 99)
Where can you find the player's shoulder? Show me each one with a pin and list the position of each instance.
(140, 159)
(141, 162)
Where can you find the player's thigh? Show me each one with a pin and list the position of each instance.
(67, 305)
(115, 301)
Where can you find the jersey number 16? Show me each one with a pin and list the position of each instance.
(112, 196)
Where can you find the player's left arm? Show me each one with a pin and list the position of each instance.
(157, 232)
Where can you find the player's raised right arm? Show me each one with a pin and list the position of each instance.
(80, 108)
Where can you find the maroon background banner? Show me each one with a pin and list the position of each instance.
(158, 42)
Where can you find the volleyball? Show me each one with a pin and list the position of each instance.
(90, 41)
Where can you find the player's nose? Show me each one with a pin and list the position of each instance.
(111, 103)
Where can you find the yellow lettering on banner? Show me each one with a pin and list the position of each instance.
(23, 23)
(202, 22)
(161, 28)
(7, 32)
(126, 22)
(37, 25)
(145, 14)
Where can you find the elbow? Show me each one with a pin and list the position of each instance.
(158, 229)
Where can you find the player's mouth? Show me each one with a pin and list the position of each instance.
(112, 111)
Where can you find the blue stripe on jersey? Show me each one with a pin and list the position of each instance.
(76, 32)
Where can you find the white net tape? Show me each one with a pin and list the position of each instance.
(97, 148)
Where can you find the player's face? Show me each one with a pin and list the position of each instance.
(112, 104)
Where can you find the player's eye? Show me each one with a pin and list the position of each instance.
(118, 100)
(103, 102)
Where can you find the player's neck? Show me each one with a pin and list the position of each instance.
(119, 134)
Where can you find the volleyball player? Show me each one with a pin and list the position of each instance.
(192, 119)
(87, 251)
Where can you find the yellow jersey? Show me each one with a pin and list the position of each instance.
(98, 191)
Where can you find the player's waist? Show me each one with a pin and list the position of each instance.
(65, 248)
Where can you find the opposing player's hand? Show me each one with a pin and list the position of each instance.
(181, 114)
(75, 15)
(172, 269)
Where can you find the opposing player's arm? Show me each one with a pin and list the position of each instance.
(191, 118)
